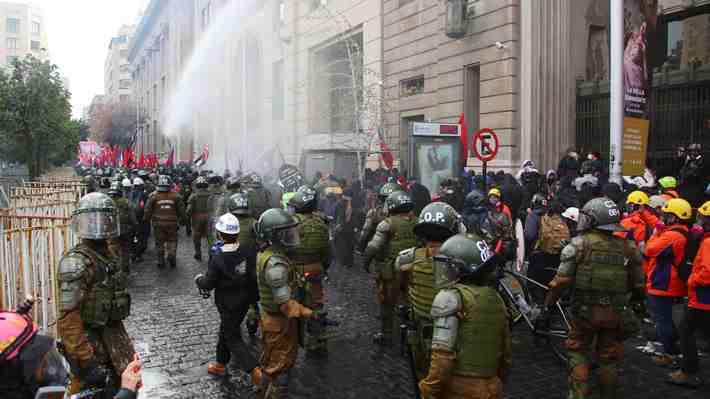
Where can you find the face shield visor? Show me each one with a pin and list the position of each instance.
(289, 237)
(446, 271)
(96, 224)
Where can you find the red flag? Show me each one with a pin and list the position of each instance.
(170, 161)
(464, 140)
(386, 154)
(141, 161)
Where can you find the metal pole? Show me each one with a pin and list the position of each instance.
(245, 147)
(616, 90)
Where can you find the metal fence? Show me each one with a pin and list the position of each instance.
(35, 232)
(679, 111)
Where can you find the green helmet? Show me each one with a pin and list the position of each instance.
(95, 217)
(600, 213)
(278, 227)
(398, 202)
(238, 204)
(303, 201)
(115, 190)
(164, 183)
(462, 256)
(388, 189)
(437, 222)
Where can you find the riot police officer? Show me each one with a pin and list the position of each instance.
(139, 200)
(121, 246)
(164, 210)
(604, 269)
(238, 206)
(277, 230)
(216, 190)
(393, 235)
(311, 260)
(375, 216)
(471, 346)
(231, 273)
(94, 299)
(438, 221)
(259, 197)
(198, 213)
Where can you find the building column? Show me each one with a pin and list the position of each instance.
(547, 81)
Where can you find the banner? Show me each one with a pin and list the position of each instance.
(640, 21)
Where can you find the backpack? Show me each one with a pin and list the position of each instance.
(692, 246)
(553, 234)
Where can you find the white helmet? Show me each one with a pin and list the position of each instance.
(126, 183)
(228, 224)
(138, 181)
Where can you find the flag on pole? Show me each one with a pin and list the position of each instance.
(141, 161)
(386, 155)
(202, 159)
(170, 161)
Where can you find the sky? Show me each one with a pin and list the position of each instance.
(79, 32)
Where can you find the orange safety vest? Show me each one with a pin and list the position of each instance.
(699, 281)
(664, 252)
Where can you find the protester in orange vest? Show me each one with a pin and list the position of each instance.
(697, 315)
(664, 252)
(641, 221)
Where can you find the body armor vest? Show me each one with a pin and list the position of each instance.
(313, 233)
(200, 209)
(401, 237)
(107, 299)
(602, 276)
(266, 295)
(421, 285)
(479, 346)
(124, 215)
(165, 209)
(247, 238)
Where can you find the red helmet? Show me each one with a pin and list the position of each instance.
(16, 331)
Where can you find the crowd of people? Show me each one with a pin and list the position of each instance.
(628, 250)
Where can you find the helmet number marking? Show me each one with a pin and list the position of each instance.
(437, 217)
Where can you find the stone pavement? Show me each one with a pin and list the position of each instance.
(175, 332)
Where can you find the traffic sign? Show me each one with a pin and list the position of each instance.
(485, 144)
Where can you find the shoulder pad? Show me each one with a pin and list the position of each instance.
(72, 266)
(406, 257)
(276, 274)
(577, 242)
(278, 260)
(384, 226)
(446, 303)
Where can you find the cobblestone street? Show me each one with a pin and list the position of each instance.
(175, 331)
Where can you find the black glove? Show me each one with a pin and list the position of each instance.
(94, 375)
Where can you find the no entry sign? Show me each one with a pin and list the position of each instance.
(485, 144)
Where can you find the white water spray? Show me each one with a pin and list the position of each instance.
(219, 98)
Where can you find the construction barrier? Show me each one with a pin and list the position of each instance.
(35, 232)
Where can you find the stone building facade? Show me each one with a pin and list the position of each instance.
(117, 69)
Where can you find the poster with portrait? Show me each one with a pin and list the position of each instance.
(435, 162)
(640, 24)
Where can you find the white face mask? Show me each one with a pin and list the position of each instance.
(590, 157)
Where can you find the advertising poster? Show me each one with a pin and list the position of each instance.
(436, 163)
(640, 22)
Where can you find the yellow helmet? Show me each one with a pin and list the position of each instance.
(705, 209)
(638, 198)
(679, 207)
(494, 191)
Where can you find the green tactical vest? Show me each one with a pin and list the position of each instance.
(479, 347)
(201, 202)
(421, 284)
(313, 233)
(246, 232)
(107, 298)
(401, 237)
(602, 276)
(266, 296)
(124, 215)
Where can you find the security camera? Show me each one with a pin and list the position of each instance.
(500, 46)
